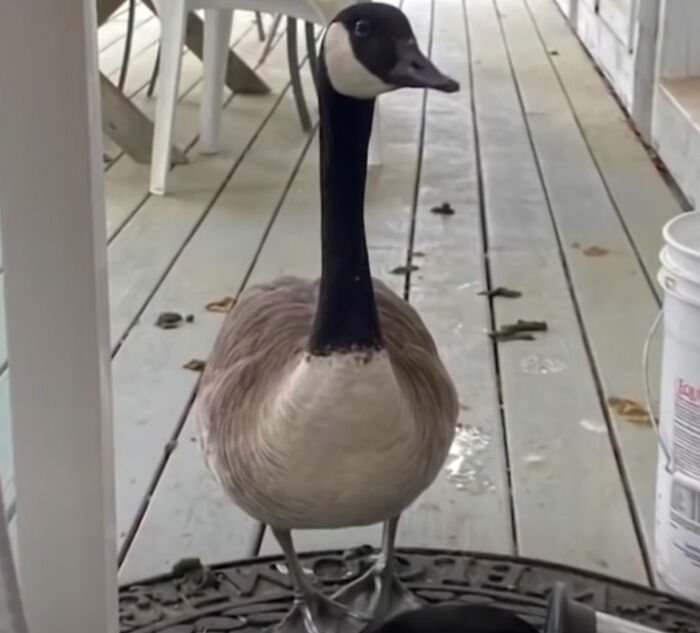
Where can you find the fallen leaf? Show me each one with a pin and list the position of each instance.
(501, 291)
(443, 209)
(169, 320)
(221, 305)
(629, 410)
(402, 270)
(194, 365)
(595, 251)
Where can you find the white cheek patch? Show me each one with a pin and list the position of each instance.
(347, 75)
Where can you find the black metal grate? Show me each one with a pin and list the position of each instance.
(248, 596)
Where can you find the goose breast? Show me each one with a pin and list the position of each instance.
(302, 441)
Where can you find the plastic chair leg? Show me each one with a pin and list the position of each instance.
(217, 36)
(173, 17)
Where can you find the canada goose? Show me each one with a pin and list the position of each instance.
(324, 403)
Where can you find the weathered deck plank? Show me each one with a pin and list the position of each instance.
(565, 477)
(469, 508)
(616, 302)
(643, 200)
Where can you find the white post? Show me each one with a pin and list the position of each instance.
(54, 250)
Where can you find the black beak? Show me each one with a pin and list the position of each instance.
(415, 70)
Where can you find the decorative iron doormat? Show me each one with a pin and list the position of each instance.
(251, 595)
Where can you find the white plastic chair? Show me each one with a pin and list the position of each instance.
(218, 19)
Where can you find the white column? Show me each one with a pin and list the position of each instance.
(54, 249)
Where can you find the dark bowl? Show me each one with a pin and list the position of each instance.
(456, 618)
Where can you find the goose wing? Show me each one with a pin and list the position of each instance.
(262, 334)
(418, 366)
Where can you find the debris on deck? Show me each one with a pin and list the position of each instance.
(402, 270)
(595, 251)
(172, 320)
(519, 331)
(444, 209)
(221, 305)
(501, 291)
(194, 365)
(191, 574)
(629, 410)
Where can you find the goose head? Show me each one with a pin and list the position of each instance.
(369, 49)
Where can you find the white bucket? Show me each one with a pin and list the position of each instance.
(677, 523)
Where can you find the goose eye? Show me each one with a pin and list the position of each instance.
(362, 28)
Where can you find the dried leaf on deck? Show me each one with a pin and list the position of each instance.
(194, 365)
(221, 305)
(629, 410)
(519, 331)
(444, 209)
(595, 251)
(402, 270)
(501, 291)
(169, 320)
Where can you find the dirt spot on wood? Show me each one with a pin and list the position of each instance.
(221, 305)
(595, 251)
(629, 410)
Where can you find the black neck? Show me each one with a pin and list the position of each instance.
(346, 316)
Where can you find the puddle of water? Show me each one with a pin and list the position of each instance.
(593, 426)
(539, 365)
(465, 468)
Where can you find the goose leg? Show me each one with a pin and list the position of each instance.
(312, 612)
(379, 593)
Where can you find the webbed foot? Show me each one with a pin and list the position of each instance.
(379, 594)
(315, 613)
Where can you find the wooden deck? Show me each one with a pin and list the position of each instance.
(545, 177)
